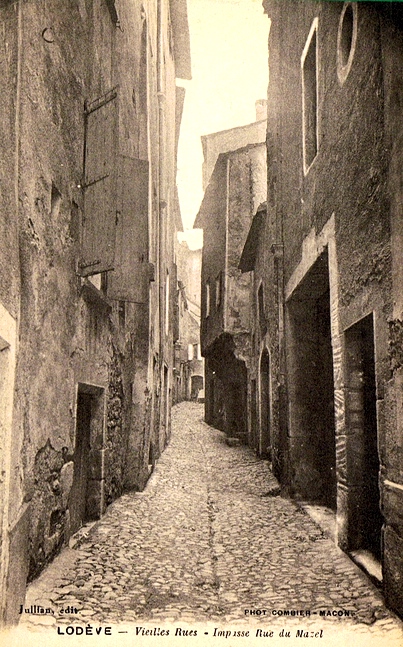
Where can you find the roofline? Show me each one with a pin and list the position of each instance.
(228, 130)
(220, 159)
(238, 150)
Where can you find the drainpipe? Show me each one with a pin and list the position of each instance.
(162, 188)
(277, 250)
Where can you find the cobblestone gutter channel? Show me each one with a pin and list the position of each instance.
(209, 540)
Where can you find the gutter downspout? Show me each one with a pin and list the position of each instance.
(283, 390)
(162, 210)
(277, 249)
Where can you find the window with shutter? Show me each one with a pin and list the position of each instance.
(132, 272)
(99, 217)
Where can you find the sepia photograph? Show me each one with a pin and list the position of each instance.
(201, 323)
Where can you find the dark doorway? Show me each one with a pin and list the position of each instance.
(265, 441)
(362, 441)
(156, 409)
(235, 384)
(165, 409)
(253, 416)
(311, 388)
(227, 389)
(196, 386)
(78, 493)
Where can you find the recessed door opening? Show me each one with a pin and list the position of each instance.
(86, 501)
(311, 387)
(78, 493)
(362, 440)
(253, 416)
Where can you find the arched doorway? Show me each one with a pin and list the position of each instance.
(196, 386)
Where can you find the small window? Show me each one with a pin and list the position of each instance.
(346, 40)
(208, 299)
(310, 98)
(55, 202)
(100, 281)
(218, 291)
(95, 279)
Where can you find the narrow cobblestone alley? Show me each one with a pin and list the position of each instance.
(209, 538)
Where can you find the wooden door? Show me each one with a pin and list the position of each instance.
(78, 494)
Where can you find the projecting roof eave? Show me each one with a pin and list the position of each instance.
(249, 252)
(235, 129)
(209, 196)
(181, 38)
(210, 189)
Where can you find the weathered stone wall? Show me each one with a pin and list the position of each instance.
(229, 140)
(115, 441)
(189, 270)
(247, 189)
(72, 340)
(10, 435)
(213, 210)
(353, 181)
(237, 187)
(48, 507)
(390, 411)
(266, 335)
(9, 123)
(55, 353)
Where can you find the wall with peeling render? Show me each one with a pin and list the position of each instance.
(73, 339)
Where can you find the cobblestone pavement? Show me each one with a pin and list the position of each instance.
(209, 538)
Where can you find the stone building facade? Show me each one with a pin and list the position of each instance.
(189, 363)
(229, 140)
(326, 258)
(261, 408)
(236, 188)
(89, 122)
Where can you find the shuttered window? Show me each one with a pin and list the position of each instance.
(132, 272)
(115, 220)
(99, 217)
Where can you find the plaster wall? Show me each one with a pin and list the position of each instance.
(71, 338)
